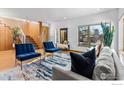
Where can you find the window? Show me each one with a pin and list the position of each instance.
(90, 35)
(83, 38)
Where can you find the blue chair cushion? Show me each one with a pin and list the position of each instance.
(52, 49)
(26, 56)
(48, 45)
(24, 48)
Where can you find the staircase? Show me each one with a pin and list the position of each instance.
(31, 40)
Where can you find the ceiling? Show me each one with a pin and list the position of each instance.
(50, 14)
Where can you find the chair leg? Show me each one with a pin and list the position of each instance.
(21, 65)
(40, 59)
(52, 55)
(44, 55)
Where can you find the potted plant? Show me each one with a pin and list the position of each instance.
(16, 33)
(107, 34)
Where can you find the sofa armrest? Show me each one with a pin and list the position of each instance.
(61, 74)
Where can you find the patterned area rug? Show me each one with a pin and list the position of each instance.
(38, 70)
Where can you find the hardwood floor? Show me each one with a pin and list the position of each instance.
(7, 58)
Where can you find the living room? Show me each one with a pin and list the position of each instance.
(64, 31)
(61, 46)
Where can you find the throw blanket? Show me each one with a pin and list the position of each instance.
(104, 69)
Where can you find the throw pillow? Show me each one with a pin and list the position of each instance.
(83, 64)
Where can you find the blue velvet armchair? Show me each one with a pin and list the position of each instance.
(25, 52)
(49, 47)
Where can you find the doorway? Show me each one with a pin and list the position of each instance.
(64, 35)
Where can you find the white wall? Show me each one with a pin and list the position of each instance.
(72, 25)
(52, 32)
(120, 12)
(52, 29)
(121, 28)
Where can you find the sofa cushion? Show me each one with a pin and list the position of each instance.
(48, 45)
(62, 74)
(52, 49)
(83, 64)
(26, 56)
(104, 68)
(119, 67)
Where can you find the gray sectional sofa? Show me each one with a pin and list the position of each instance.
(108, 67)
(61, 74)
